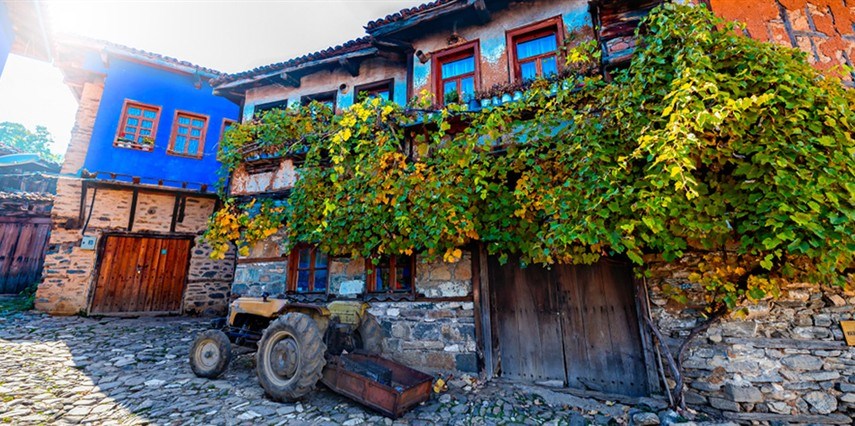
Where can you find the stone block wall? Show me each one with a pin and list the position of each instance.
(208, 281)
(429, 333)
(786, 359)
(825, 29)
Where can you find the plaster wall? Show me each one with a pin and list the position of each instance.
(170, 91)
(370, 71)
(494, 62)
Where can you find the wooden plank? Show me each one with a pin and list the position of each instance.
(623, 320)
(575, 348)
(105, 270)
(151, 275)
(8, 237)
(137, 281)
(182, 263)
(157, 278)
(485, 312)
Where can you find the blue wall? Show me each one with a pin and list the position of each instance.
(5, 35)
(171, 91)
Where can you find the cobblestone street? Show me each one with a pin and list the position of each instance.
(68, 370)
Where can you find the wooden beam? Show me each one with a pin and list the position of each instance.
(290, 80)
(486, 309)
(481, 11)
(134, 198)
(350, 66)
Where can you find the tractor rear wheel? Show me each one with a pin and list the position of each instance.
(290, 357)
(369, 335)
(210, 354)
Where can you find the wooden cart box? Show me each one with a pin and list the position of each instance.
(409, 387)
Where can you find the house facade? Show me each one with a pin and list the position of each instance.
(23, 31)
(136, 187)
(582, 327)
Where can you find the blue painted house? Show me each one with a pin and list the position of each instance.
(137, 186)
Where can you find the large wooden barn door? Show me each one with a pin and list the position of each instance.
(22, 252)
(141, 274)
(574, 324)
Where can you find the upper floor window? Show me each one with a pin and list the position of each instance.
(534, 49)
(326, 98)
(380, 89)
(309, 270)
(269, 106)
(188, 134)
(456, 72)
(391, 274)
(138, 126)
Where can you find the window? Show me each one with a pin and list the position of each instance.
(138, 126)
(269, 106)
(534, 49)
(326, 98)
(227, 124)
(380, 89)
(456, 72)
(391, 274)
(188, 134)
(309, 270)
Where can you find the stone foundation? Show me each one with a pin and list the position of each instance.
(429, 333)
(786, 357)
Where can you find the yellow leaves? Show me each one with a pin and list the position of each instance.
(243, 251)
(345, 134)
(452, 255)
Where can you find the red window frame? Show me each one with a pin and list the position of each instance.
(554, 25)
(390, 262)
(294, 269)
(452, 54)
(175, 125)
(122, 141)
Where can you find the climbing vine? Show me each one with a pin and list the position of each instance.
(709, 142)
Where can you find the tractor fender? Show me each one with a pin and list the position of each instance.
(320, 314)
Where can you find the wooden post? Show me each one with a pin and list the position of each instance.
(485, 312)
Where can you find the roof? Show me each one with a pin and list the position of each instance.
(30, 29)
(350, 46)
(407, 13)
(6, 149)
(139, 54)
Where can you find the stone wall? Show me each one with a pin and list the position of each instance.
(208, 281)
(430, 333)
(785, 358)
(825, 29)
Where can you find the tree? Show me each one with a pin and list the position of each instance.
(19, 137)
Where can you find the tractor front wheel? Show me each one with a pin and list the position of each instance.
(290, 357)
(210, 354)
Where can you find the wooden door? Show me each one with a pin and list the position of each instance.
(141, 274)
(602, 341)
(573, 324)
(529, 324)
(22, 252)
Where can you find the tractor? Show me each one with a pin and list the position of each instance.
(293, 341)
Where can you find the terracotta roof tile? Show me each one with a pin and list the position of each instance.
(347, 47)
(406, 13)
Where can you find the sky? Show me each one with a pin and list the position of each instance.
(229, 36)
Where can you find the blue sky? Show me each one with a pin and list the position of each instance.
(229, 36)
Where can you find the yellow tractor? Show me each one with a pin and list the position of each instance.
(292, 341)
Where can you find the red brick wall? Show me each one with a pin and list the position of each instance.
(825, 29)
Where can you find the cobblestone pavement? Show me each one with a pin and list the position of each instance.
(135, 371)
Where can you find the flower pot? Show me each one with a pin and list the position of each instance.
(486, 103)
(506, 98)
(518, 95)
(496, 101)
(474, 105)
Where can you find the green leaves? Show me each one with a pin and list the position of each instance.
(709, 143)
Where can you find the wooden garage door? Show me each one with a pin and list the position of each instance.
(22, 252)
(141, 274)
(573, 324)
